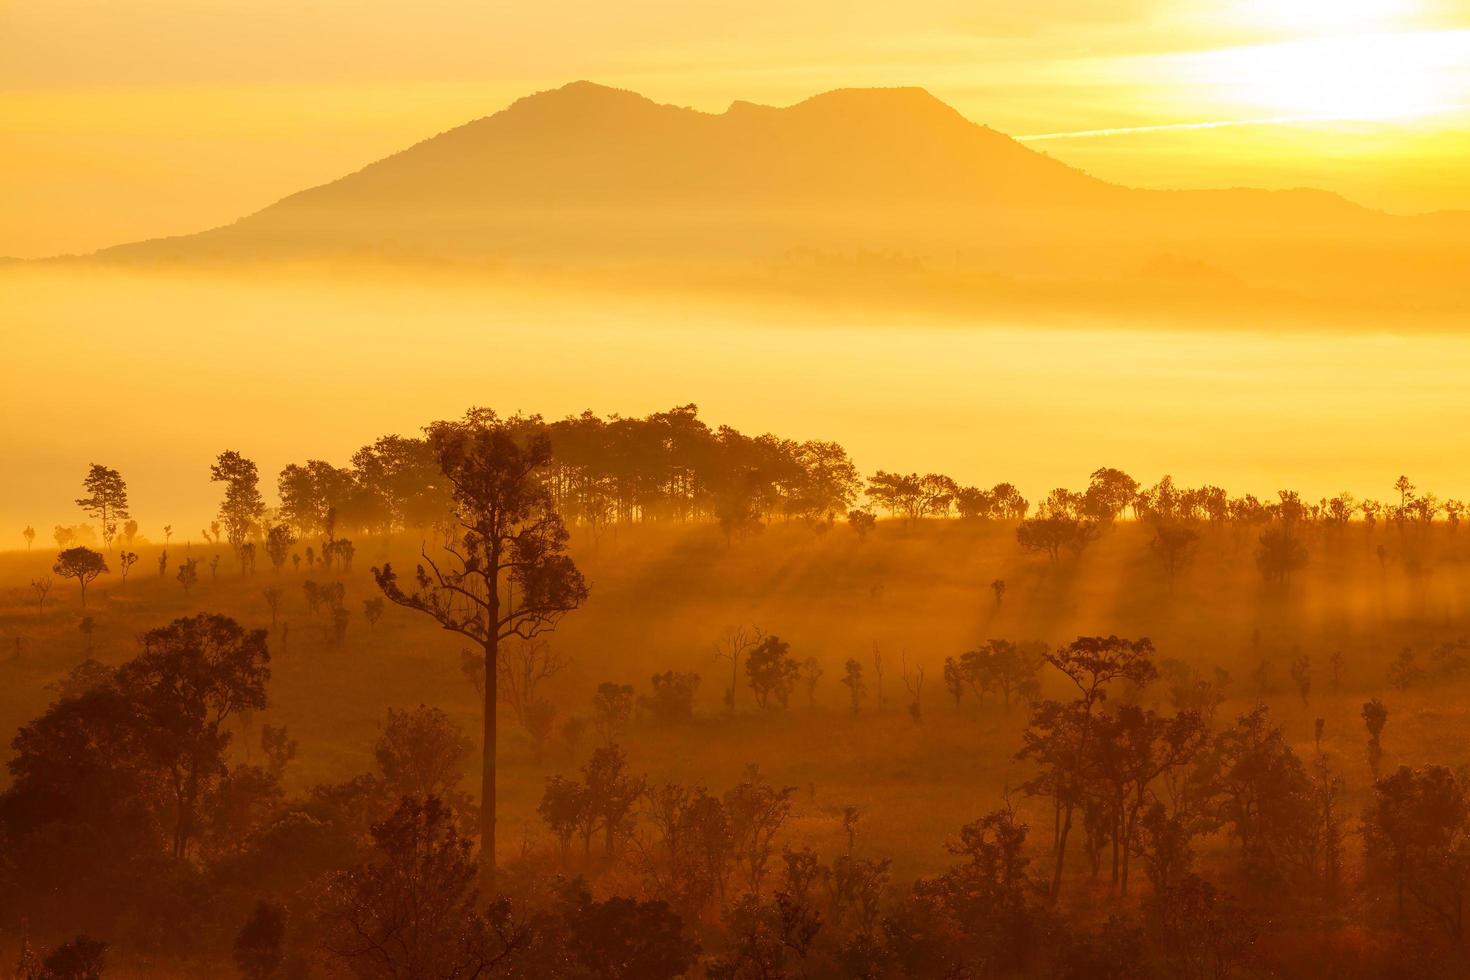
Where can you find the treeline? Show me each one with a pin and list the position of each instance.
(671, 466)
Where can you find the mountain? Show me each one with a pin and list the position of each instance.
(852, 191)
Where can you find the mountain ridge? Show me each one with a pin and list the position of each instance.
(595, 177)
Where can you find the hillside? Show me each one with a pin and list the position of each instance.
(875, 190)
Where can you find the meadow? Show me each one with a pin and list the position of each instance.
(914, 593)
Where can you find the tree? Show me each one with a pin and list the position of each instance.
(30, 535)
(106, 500)
(191, 677)
(1054, 532)
(853, 677)
(414, 912)
(612, 707)
(862, 522)
(1404, 673)
(1175, 545)
(772, 672)
(278, 542)
(914, 684)
(189, 574)
(82, 564)
(611, 793)
(421, 754)
(523, 667)
(1301, 676)
(273, 600)
(1279, 554)
(672, 701)
(243, 506)
(372, 611)
(1416, 836)
(506, 573)
(82, 958)
(1003, 665)
(734, 643)
(1061, 734)
(1109, 493)
(756, 810)
(623, 938)
(126, 561)
(1262, 791)
(41, 586)
(259, 948)
(811, 674)
(1375, 716)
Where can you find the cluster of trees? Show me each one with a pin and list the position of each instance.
(596, 472)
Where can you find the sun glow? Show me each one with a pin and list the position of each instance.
(1364, 76)
(1317, 17)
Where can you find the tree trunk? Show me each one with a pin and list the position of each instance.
(1061, 853)
(487, 772)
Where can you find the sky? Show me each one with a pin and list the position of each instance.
(127, 121)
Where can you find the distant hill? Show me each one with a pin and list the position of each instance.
(859, 192)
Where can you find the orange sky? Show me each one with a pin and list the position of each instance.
(124, 121)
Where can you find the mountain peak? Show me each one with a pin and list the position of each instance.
(583, 91)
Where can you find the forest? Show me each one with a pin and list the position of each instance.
(622, 697)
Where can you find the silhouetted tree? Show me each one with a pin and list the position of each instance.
(811, 674)
(41, 586)
(1375, 717)
(1279, 554)
(278, 542)
(82, 958)
(273, 597)
(1301, 676)
(259, 948)
(1404, 673)
(612, 708)
(243, 506)
(82, 564)
(1061, 733)
(421, 753)
(611, 793)
(414, 912)
(1416, 835)
(372, 611)
(672, 701)
(507, 573)
(190, 678)
(772, 672)
(733, 644)
(1174, 544)
(106, 500)
(30, 535)
(189, 574)
(624, 939)
(853, 677)
(756, 811)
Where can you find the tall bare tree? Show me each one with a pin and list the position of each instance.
(504, 571)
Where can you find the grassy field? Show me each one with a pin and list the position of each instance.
(661, 595)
